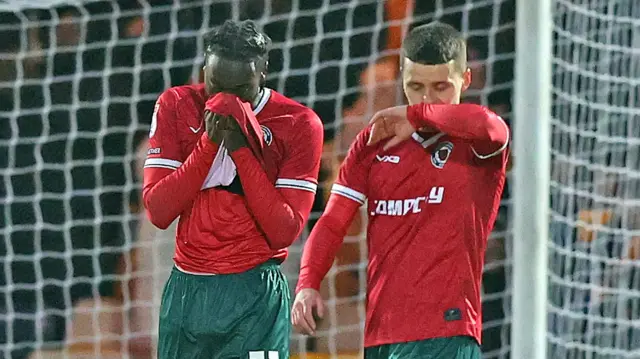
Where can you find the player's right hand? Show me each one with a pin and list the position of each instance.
(390, 123)
(215, 125)
(307, 302)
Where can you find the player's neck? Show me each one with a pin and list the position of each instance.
(257, 99)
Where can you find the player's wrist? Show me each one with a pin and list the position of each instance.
(300, 289)
(208, 145)
(241, 153)
(235, 141)
(414, 116)
(308, 282)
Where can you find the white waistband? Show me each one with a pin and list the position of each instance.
(193, 273)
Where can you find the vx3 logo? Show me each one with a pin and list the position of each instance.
(390, 159)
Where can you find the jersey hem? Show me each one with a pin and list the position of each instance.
(377, 343)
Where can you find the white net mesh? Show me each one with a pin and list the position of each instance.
(78, 80)
(594, 269)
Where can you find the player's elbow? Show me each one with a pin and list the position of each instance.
(494, 140)
(284, 236)
(279, 244)
(497, 131)
(282, 240)
(159, 223)
(158, 220)
(156, 214)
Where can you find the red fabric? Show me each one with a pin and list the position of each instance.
(325, 240)
(231, 105)
(467, 121)
(280, 213)
(430, 213)
(161, 185)
(218, 231)
(170, 167)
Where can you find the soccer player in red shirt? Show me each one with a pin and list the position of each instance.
(432, 192)
(226, 296)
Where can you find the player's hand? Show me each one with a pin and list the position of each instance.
(391, 122)
(307, 303)
(213, 123)
(225, 128)
(234, 138)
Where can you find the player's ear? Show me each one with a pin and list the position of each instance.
(263, 73)
(263, 66)
(466, 79)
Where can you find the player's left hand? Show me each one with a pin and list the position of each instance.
(307, 303)
(391, 122)
(231, 133)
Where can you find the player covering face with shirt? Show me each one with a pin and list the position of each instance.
(431, 175)
(226, 296)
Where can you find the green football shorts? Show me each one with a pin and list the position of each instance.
(229, 316)
(460, 347)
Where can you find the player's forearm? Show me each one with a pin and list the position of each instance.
(167, 197)
(468, 121)
(281, 214)
(325, 241)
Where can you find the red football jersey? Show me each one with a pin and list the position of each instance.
(432, 203)
(218, 233)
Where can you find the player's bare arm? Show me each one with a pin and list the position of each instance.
(485, 129)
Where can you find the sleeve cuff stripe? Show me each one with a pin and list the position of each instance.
(349, 193)
(297, 187)
(160, 166)
(162, 162)
(298, 184)
(347, 196)
(499, 150)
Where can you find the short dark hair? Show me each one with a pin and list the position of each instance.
(238, 40)
(434, 44)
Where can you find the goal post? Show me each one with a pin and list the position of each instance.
(531, 179)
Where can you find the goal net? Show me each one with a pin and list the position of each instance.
(82, 271)
(594, 271)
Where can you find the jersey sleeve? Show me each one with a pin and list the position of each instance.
(487, 131)
(352, 178)
(302, 160)
(164, 146)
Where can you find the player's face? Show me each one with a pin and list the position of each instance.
(439, 84)
(241, 78)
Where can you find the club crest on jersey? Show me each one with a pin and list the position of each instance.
(267, 135)
(441, 154)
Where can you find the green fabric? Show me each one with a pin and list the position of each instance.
(226, 316)
(461, 347)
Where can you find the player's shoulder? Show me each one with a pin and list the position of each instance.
(184, 95)
(304, 118)
(363, 137)
(359, 146)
